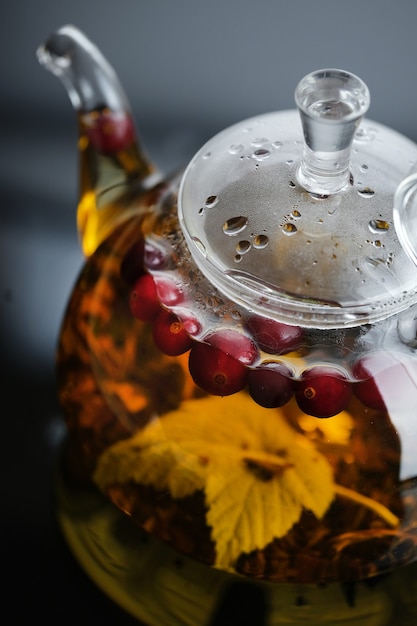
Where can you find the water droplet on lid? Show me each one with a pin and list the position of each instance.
(207, 155)
(235, 225)
(364, 168)
(211, 201)
(289, 229)
(238, 258)
(277, 144)
(260, 241)
(259, 141)
(236, 148)
(261, 154)
(378, 226)
(296, 214)
(366, 192)
(292, 184)
(243, 246)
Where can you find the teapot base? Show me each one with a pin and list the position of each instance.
(156, 585)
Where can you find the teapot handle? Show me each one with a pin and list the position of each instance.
(405, 213)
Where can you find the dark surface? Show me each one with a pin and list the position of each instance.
(190, 68)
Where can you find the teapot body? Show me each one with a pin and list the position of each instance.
(273, 450)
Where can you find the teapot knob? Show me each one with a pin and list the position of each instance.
(331, 104)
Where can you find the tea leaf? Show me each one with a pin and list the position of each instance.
(258, 473)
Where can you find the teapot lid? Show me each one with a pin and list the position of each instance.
(291, 213)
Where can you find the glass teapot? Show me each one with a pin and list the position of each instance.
(237, 362)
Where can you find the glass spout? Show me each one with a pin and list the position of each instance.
(331, 104)
(113, 166)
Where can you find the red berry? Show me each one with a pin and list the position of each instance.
(110, 132)
(154, 257)
(215, 371)
(322, 391)
(170, 335)
(235, 344)
(384, 380)
(169, 293)
(143, 299)
(271, 385)
(131, 266)
(274, 337)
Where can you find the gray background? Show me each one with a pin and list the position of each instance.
(190, 68)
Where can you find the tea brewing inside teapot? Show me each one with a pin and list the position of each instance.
(237, 360)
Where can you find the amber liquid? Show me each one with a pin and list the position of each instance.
(125, 402)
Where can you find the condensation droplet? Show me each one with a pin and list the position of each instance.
(365, 135)
(238, 258)
(207, 155)
(292, 184)
(289, 229)
(235, 225)
(296, 214)
(236, 148)
(364, 168)
(289, 162)
(201, 247)
(243, 246)
(366, 192)
(261, 154)
(259, 141)
(378, 226)
(277, 144)
(211, 201)
(260, 241)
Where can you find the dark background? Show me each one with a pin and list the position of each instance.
(190, 68)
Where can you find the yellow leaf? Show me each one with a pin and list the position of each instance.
(151, 457)
(258, 473)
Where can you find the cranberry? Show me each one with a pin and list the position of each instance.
(143, 299)
(170, 335)
(384, 378)
(272, 336)
(154, 257)
(215, 371)
(234, 343)
(271, 385)
(169, 293)
(110, 132)
(322, 391)
(131, 266)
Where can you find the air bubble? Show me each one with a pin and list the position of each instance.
(260, 241)
(243, 246)
(235, 225)
(289, 229)
(378, 226)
